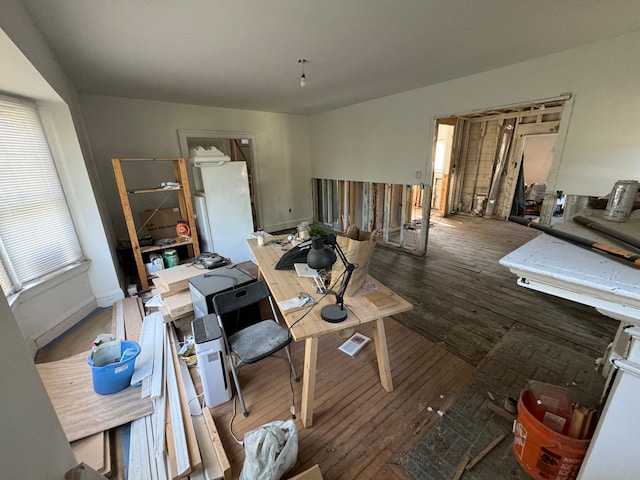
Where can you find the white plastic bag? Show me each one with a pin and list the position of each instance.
(270, 451)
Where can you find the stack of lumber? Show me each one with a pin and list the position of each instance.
(169, 437)
(172, 284)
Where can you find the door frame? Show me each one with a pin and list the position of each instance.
(184, 134)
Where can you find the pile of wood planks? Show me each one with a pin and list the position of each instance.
(170, 436)
(172, 284)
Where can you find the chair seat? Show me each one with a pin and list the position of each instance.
(259, 341)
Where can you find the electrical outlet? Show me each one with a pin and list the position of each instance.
(418, 174)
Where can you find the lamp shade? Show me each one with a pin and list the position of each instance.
(320, 256)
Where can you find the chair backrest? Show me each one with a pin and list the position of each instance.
(240, 297)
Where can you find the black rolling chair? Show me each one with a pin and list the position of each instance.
(255, 341)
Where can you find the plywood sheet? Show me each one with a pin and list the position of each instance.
(179, 304)
(81, 411)
(177, 278)
(163, 291)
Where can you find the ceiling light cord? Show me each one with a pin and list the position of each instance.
(303, 77)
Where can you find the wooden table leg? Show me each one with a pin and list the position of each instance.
(380, 340)
(309, 380)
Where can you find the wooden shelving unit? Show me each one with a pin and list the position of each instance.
(184, 201)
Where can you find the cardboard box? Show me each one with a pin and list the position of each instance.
(312, 474)
(160, 224)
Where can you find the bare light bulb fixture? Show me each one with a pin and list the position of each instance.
(303, 77)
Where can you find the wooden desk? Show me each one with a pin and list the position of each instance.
(285, 284)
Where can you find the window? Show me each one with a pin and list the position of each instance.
(37, 235)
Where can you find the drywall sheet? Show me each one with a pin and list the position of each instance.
(81, 411)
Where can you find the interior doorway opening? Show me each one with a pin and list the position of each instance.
(537, 158)
(477, 166)
(445, 130)
(240, 147)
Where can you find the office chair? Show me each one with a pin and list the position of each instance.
(256, 341)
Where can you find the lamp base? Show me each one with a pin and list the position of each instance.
(333, 313)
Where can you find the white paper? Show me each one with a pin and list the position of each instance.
(304, 300)
(106, 353)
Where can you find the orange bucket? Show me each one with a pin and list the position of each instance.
(543, 453)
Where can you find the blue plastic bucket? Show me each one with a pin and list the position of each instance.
(116, 376)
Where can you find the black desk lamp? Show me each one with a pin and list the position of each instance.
(323, 256)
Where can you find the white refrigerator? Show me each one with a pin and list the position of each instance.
(228, 209)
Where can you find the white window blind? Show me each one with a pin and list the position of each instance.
(37, 235)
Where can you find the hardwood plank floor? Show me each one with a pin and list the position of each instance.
(464, 305)
(359, 430)
(465, 300)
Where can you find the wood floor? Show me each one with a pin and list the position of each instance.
(464, 303)
(359, 430)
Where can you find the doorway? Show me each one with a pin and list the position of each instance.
(535, 165)
(476, 166)
(240, 147)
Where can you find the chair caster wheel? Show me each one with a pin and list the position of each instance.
(246, 414)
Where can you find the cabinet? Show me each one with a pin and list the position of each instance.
(184, 203)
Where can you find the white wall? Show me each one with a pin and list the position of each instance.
(389, 139)
(129, 128)
(31, 70)
(33, 442)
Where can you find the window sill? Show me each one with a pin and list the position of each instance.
(37, 287)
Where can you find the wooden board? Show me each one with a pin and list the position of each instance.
(81, 411)
(179, 304)
(210, 466)
(106, 470)
(132, 319)
(177, 278)
(90, 450)
(380, 299)
(578, 418)
(192, 444)
(221, 455)
(163, 291)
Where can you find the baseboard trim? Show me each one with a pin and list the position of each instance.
(107, 299)
(68, 320)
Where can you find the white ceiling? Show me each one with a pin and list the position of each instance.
(244, 53)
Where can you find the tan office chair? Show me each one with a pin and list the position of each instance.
(255, 341)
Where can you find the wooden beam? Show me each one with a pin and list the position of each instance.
(132, 319)
(177, 431)
(192, 443)
(485, 451)
(210, 466)
(461, 466)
